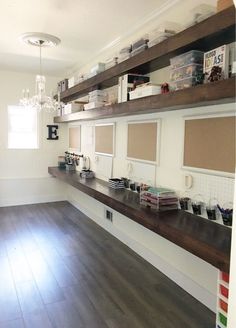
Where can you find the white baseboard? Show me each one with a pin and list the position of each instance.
(190, 286)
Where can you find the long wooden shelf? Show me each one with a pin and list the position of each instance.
(214, 31)
(201, 95)
(201, 237)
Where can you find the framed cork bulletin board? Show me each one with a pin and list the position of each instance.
(75, 137)
(104, 139)
(209, 144)
(142, 141)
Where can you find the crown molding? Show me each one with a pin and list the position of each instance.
(145, 20)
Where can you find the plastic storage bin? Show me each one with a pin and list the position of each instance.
(161, 37)
(184, 83)
(110, 62)
(140, 42)
(98, 68)
(188, 58)
(185, 72)
(139, 49)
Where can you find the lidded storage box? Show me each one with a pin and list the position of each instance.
(185, 72)
(139, 45)
(124, 53)
(186, 69)
(188, 58)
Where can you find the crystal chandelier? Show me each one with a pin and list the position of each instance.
(40, 101)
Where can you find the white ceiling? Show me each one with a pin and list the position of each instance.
(84, 27)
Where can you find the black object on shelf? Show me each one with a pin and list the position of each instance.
(126, 182)
(227, 215)
(197, 208)
(227, 218)
(184, 203)
(211, 213)
(132, 186)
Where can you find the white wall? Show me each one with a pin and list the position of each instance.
(191, 273)
(168, 172)
(23, 173)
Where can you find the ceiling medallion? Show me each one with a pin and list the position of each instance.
(34, 38)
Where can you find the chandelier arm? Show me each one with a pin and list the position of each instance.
(40, 56)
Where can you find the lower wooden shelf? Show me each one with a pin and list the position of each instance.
(219, 92)
(201, 237)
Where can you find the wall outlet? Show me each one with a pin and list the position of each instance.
(108, 215)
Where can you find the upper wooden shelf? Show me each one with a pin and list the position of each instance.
(214, 31)
(201, 95)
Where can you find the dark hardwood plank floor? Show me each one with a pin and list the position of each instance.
(58, 269)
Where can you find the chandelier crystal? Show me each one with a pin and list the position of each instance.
(40, 101)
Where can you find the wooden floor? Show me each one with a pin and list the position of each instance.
(59, 269)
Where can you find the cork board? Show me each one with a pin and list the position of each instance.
(142, 141)
(74, 137)
(104, 139)
(209, 143)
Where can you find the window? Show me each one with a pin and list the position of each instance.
(22, 127)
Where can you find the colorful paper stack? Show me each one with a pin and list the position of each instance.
(159, 198)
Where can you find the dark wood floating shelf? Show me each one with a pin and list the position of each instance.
(201, 95)
(214, 31)
(203, 238)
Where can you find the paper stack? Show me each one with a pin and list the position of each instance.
(159, 198)
(97, 98)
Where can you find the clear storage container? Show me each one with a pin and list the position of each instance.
(140, 42)
(184, 83)
(188, 58)
(138, 50)
(192, 70)
(158, 38)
